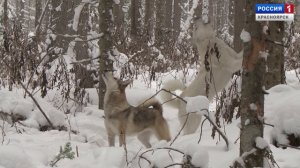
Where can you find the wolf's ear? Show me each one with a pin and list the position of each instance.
(126, 82)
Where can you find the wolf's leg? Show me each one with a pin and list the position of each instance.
(144, 137)
(192, 123)
(110, 135)
(122, 138)
(162, 130)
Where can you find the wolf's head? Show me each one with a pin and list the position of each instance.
(113, 84)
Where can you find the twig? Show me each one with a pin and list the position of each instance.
(77, 151)
(276, 42)
(180, 98)
(289, 146)
(237, 140)
(162, 148)
(174, 164)
(3, 130)
(271, 125)
(84, 60)
(142, 157)
(135, 156)
(219, 131)
(180, 130)
(126, 153)
(201, 130)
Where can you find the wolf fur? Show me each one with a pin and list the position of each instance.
(220, 73)
(122, 119)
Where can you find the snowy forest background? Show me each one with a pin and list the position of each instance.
(51, 93)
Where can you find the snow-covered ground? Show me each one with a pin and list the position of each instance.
(27, 147)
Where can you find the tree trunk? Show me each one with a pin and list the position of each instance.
(149, 19)
(59, 22)
(239, 20)
(119, 35)
(105, 44)
(22, 13)
(5, 40)
(198, 10)
(275, 64)
(136, 25)
(5, 16)
(231, 17)
(160, 24)
(297, 15)
(169, 8)
(176, 18)
(38, 11)
(252, 98)
(81, 47)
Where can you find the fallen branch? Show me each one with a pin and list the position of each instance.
(37, 104)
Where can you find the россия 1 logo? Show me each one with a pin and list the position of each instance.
(274, 12)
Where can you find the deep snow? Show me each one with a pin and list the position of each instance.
(26, 147)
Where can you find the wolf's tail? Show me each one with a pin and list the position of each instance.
(171, 86)
(152, 102)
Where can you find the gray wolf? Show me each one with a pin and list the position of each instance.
(122, 119)
(222, 62)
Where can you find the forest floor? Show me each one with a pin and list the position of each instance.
(27, 147)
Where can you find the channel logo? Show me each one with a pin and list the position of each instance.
(274, 12)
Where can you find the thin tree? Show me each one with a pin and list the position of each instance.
(38, 12)
(136, 21)
(60, 16)
(176, 18)
(105, 43)
(252, 98)
(149, 19)
(81, 27)
(239, 20)
(160, 23)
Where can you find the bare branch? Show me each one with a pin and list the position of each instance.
(201, 130)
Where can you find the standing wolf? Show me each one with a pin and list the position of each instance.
(123, 119)
(220, 62)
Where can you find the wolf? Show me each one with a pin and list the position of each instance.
(220, 62)
(122, 119)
